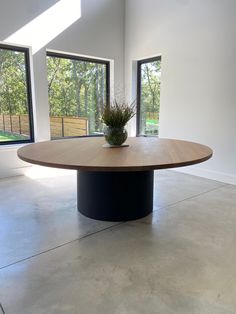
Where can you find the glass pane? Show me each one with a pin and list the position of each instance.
(14, 110)
(150, 97)
(77, 95)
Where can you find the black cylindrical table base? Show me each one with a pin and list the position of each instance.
(115, 196)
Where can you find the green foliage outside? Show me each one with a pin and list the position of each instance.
(150, 97)
(77, 88)
(13, 88)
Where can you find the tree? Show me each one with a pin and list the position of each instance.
(150, 95)
(13, 85)
(77, 88)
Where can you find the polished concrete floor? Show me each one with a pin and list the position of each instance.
(181, 259)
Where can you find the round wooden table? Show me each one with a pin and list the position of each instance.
(115, 184)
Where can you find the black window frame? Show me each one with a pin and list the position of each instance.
(26, 52)
(86, 59)
(138, 115)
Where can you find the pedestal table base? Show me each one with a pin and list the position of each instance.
(115, 196)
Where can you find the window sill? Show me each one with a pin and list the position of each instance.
(12, 146)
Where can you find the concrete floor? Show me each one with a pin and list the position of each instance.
(181, 259)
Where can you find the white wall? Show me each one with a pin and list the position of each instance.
(197, 41)
(99, 33)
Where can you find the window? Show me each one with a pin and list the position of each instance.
(16, 118)
(78, 90)
(148, 96)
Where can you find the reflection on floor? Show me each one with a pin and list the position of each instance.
(181, 259)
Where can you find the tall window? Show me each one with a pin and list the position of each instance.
(16, 120)
(148, 96)
(78, 90)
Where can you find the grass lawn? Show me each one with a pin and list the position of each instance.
(9, 137)
(151, 127)
(151, 121)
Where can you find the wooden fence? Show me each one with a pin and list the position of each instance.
(60, 126)
(17, 124)
(68, 126)
(152, 115)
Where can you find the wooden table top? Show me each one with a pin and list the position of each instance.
(143, 153)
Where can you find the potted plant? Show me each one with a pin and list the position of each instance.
(115, 118)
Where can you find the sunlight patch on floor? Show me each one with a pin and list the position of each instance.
(39, 172)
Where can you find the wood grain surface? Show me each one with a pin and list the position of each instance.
(143, 153)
